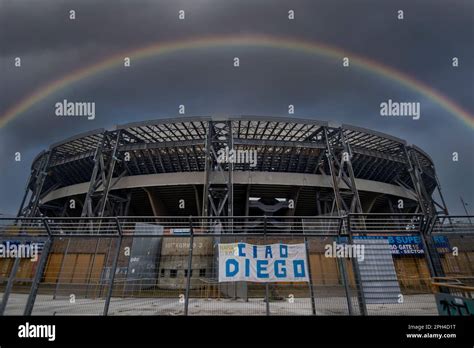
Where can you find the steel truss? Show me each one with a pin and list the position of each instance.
(218, 197)
(344, 153)
(98, 197)
(339, 154)
(34, 187)
(426, 203)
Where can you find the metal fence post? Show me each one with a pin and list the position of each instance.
(424, 234)
(9, 286)
(432, 257)
(345, 280)
(114, 267)
(61, 268)
(360, 288)
(311, 290)
(39, 271)
(190, 265)
(89, 271)
(267, 292)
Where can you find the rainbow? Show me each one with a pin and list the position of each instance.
(263, 41)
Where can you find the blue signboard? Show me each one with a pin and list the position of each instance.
(411, 244)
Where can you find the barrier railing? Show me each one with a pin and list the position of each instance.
(453, 224)
(169, 265)
(457, 285)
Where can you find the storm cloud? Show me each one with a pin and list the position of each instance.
(204, 80)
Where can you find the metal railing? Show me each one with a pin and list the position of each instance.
(168, 265)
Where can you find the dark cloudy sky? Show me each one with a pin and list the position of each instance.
(422, 46)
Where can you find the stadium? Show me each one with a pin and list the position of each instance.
(134, 220)
(152, 168)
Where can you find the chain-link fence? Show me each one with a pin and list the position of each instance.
(360, 264)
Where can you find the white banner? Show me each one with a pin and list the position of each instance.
(262, 263)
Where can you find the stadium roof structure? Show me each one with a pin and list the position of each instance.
(340, 156)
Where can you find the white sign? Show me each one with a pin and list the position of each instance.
(262, 263)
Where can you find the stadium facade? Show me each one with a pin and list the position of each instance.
(172, 167)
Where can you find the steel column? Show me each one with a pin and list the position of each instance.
(114, 267)
(357, 206)
(36, 179)
(39, 272)
(355, 265)
(9, 286)
(216, 198)
(61, 268)
(310, 278)
(105, 158)
(345, 279)
(190, 264)
(267, 292)
(332, 170)
(424, 200)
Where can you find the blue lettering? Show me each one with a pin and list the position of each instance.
(254, 251)
(268, 251)
(261, 268)
(280, 272)
(228, 264)
(298, 268)
(247, 268)
(241, 247)
(283, 251)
